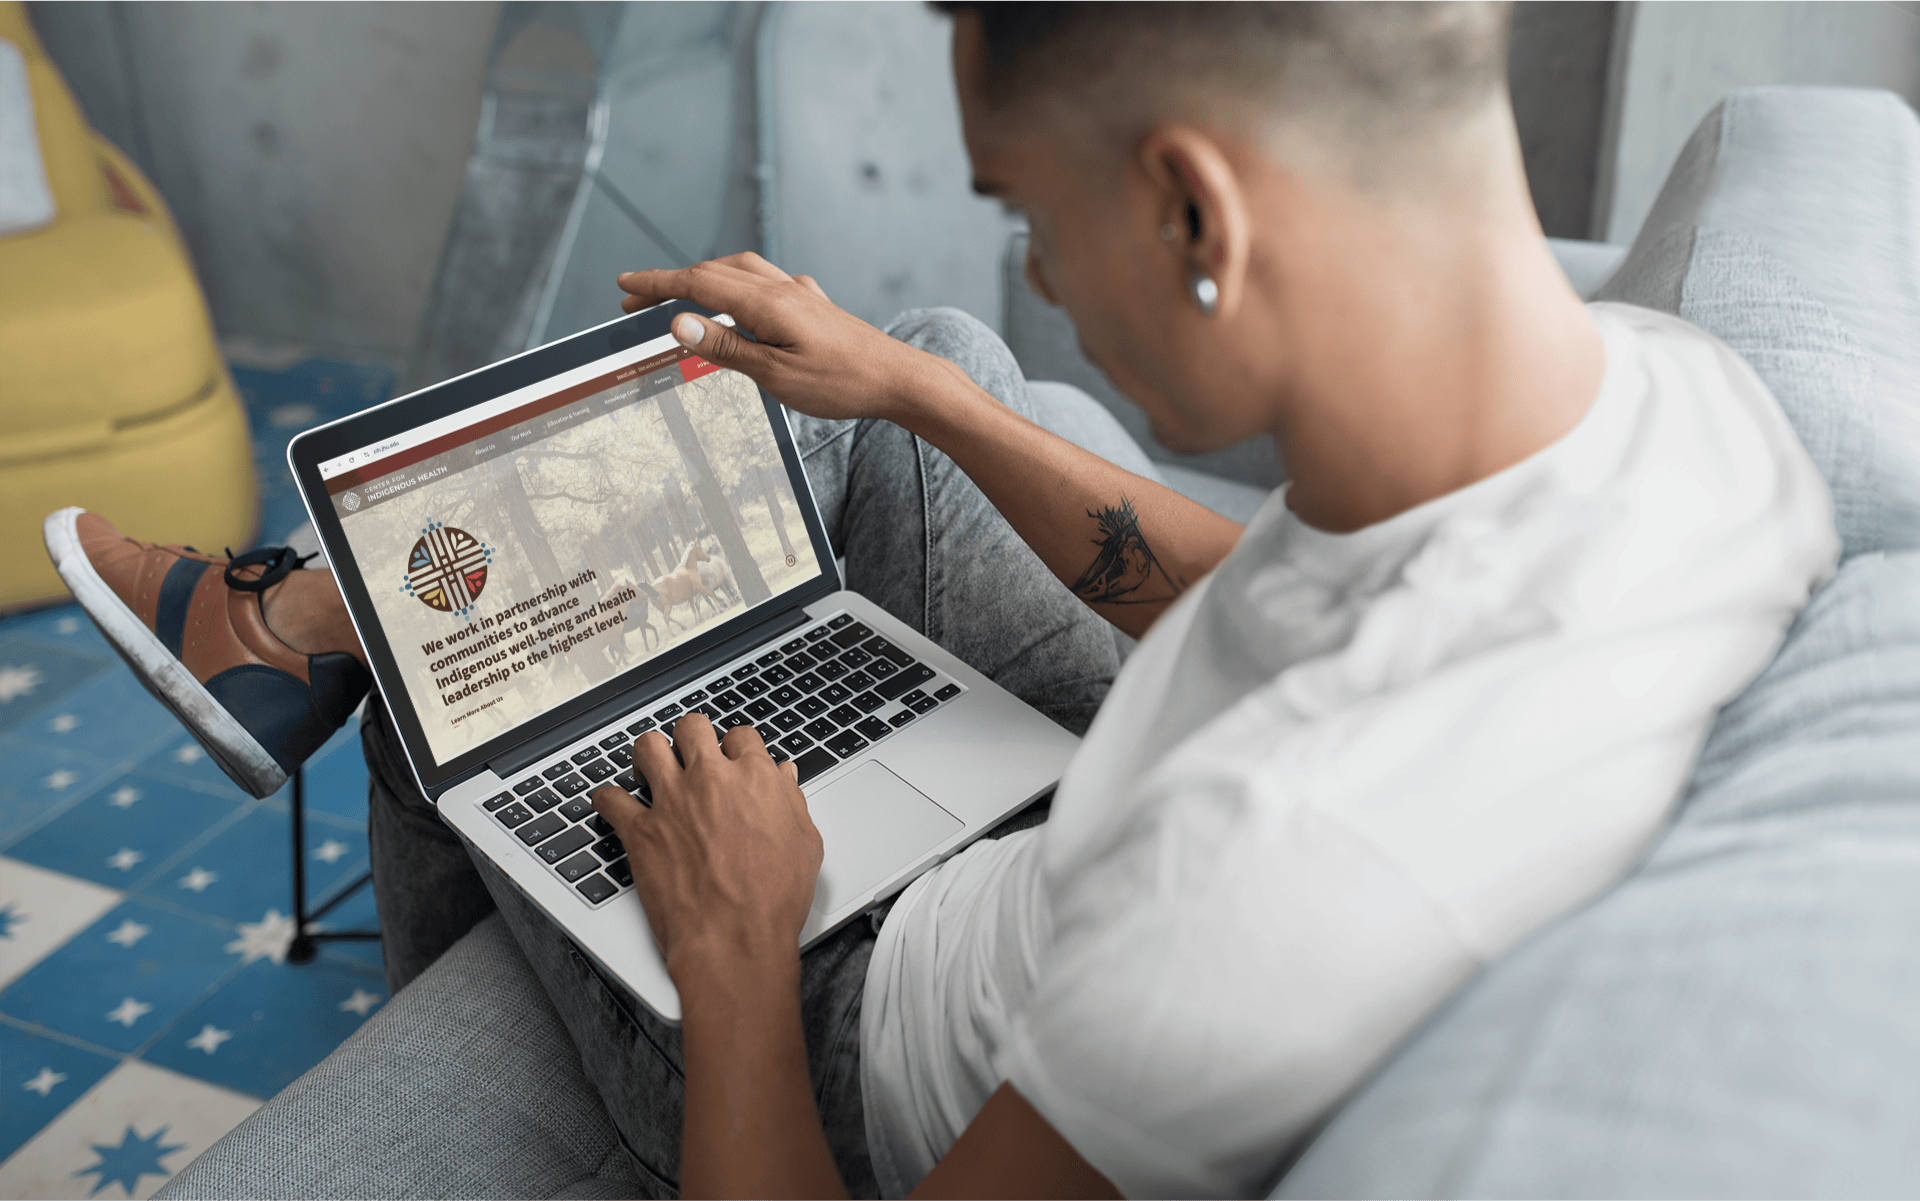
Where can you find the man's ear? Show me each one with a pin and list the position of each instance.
(1204, 205)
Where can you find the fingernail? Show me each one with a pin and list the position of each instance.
(688, 329)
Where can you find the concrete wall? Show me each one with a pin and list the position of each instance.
(1682, 57)
(312, 153)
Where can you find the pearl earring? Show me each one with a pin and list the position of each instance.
(1206, 293)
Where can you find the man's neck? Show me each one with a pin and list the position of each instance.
(1438, 360)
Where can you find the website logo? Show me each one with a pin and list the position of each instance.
(447, 569)
(350, 501)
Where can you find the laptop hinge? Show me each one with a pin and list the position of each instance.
(517, 759)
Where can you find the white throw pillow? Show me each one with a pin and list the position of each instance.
(25, 200)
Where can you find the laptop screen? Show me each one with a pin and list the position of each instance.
(525, 549)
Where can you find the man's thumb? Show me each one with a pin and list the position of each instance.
(711, 340)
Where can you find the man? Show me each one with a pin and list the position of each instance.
(1442, 688)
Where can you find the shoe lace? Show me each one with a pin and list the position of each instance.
(279, 561)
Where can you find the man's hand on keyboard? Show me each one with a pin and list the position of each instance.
(725, 860)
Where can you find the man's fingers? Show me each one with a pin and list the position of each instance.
(793, 771)
(616, 804)
(741, 741)
(653, 757)
(716, 343)
(813, 285)
(694, 735)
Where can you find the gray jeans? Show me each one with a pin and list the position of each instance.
(922, 542)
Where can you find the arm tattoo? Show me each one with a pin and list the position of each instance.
(1124, 571)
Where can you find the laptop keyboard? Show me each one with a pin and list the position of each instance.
(824, 697)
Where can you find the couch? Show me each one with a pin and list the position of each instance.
(1739, 1016)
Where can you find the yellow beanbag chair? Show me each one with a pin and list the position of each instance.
(113, 395)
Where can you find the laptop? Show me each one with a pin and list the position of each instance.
(553, 555)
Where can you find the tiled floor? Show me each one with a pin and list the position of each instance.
(146, 1004)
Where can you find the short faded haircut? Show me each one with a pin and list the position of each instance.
(1363, 73)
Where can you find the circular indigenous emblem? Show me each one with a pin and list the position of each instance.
(350, 501)
(447, 568)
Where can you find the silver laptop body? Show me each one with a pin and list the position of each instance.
(517, 549)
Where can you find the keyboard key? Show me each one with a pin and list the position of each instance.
(798, 644)
(820, 729)
(514, 815)
(667, 714)
(779, 756)
(582, 756)
(856, 658)
(913, 696)
(735, 719)
(741, 672)
(784, 696)
(693, 698)
(845, 715)
(640, 727)
(800, 662)
(787, 719)
(599, 825)
(809, 682)
(817, 633)
(841, 622)
(596, 888)
(578, 867)
(873, 729)
(909, 678)
(577, 808)
(557, 770)
(859, 681)
(752, 688)
(622, 756)
(493, 804)
(768, 659)
(852, 636)
(621, 871)
(947, 693)
(832, 669)
(880, 669)
(707, 711)
(761, 708)
(543, 800)
(794, 743)
(867, 702)
(814, 762)
(614, 739)
(629, 780)
(541, 828)
(836, 694)
(527, 785)
(846, 743)
(598, 770)
(776, 675)
(554, 849)
(609, 849)
(811, 706)
(902, 718)
(570, 785)
(728, 701)
(882, 648)
(923, 704)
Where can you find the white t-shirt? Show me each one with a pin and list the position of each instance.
(1342, 774)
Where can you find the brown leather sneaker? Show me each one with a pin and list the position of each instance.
(191, 628)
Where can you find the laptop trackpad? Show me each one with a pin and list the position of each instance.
(873, 823)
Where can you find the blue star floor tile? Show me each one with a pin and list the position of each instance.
(270, 1024)
(34, 673)
(111, 716)
(126, 833)
(39, 1077)
(64, 625)
(182, 760)
(37, 782)
(245, 869)
(125, 979)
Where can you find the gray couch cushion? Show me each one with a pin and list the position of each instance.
(1741, 1016)
(465, 1085)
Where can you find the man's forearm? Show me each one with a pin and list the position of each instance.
(752, 1127)
(1126, 545)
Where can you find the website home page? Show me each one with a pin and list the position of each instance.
(529, 548)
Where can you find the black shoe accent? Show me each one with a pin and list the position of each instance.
(280, 562)
(340, 683)
(285, 716)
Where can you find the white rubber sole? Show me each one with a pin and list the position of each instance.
(237, 752)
